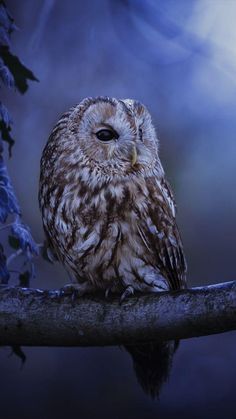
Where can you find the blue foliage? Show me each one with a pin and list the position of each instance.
(22, 233)
(20, 73)
(5, 116)
(6, 20)
(5, 127)
(5, 74)
(8, 200)
(12, 74)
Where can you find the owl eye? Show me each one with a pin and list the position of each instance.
(107, 135)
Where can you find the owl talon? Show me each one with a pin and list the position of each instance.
(127, 293)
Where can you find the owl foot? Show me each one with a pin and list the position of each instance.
(75, 290)
(127, 293)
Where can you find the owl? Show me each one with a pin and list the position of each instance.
(107, 210)
(109, 213)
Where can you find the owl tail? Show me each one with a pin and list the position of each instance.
(152, 364)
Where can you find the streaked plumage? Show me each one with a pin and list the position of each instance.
(109, 213)
(107, 210)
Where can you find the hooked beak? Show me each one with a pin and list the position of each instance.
(134, 156)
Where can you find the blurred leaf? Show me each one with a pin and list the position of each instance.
(20, 73)
(4, 37)
(6, 20)
(6, 75)
(7, 25)
(5, 116)
(22, 233)
(6, 136)
(8, 201)
(4, 274)
(13, 74)
(5, 127)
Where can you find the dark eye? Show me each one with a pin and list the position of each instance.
(107, 135)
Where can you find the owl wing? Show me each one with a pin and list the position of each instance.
(159, 232)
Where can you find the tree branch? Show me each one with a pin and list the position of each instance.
(43, 318)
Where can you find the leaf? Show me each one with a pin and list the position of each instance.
(6, 75)
(24, 279)
(6, 136)
(4, 37)
(21, 74)
(22, 233)
(5, 127)
(6, 20)
(4, 274)
(7, 25)
(5, 116)
(8, 200)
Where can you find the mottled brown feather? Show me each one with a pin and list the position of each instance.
(110, 222)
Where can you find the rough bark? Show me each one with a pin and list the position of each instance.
(44, 318)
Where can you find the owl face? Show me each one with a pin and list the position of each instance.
(114, 136)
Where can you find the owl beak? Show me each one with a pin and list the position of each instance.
(134, 156)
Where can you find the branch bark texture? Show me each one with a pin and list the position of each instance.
(31, 317)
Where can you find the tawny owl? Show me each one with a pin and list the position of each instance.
(108, 211)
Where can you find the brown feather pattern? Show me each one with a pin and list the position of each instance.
(111, 224)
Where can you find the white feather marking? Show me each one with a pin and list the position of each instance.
(143, 237)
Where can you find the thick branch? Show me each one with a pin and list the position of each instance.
(43, 318)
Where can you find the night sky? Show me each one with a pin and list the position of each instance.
(178, 57)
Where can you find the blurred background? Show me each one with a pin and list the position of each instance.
(178, 57)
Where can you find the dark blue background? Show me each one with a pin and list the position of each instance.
(178, 57)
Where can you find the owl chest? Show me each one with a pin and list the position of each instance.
(108, 253)
(100, 235)
(100, 241)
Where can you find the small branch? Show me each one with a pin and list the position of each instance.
(43, 318)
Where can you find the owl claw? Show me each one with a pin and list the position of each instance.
(127, 293)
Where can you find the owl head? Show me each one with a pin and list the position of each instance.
(113, 137)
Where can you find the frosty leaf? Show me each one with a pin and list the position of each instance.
(5, 116)
(6, 20)
(12, 74)
(22, 233)
(5, 126)
(6, 136)
(4, 37)
(4, 274)
(8, 201)
(6, 75)
(21, 74)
